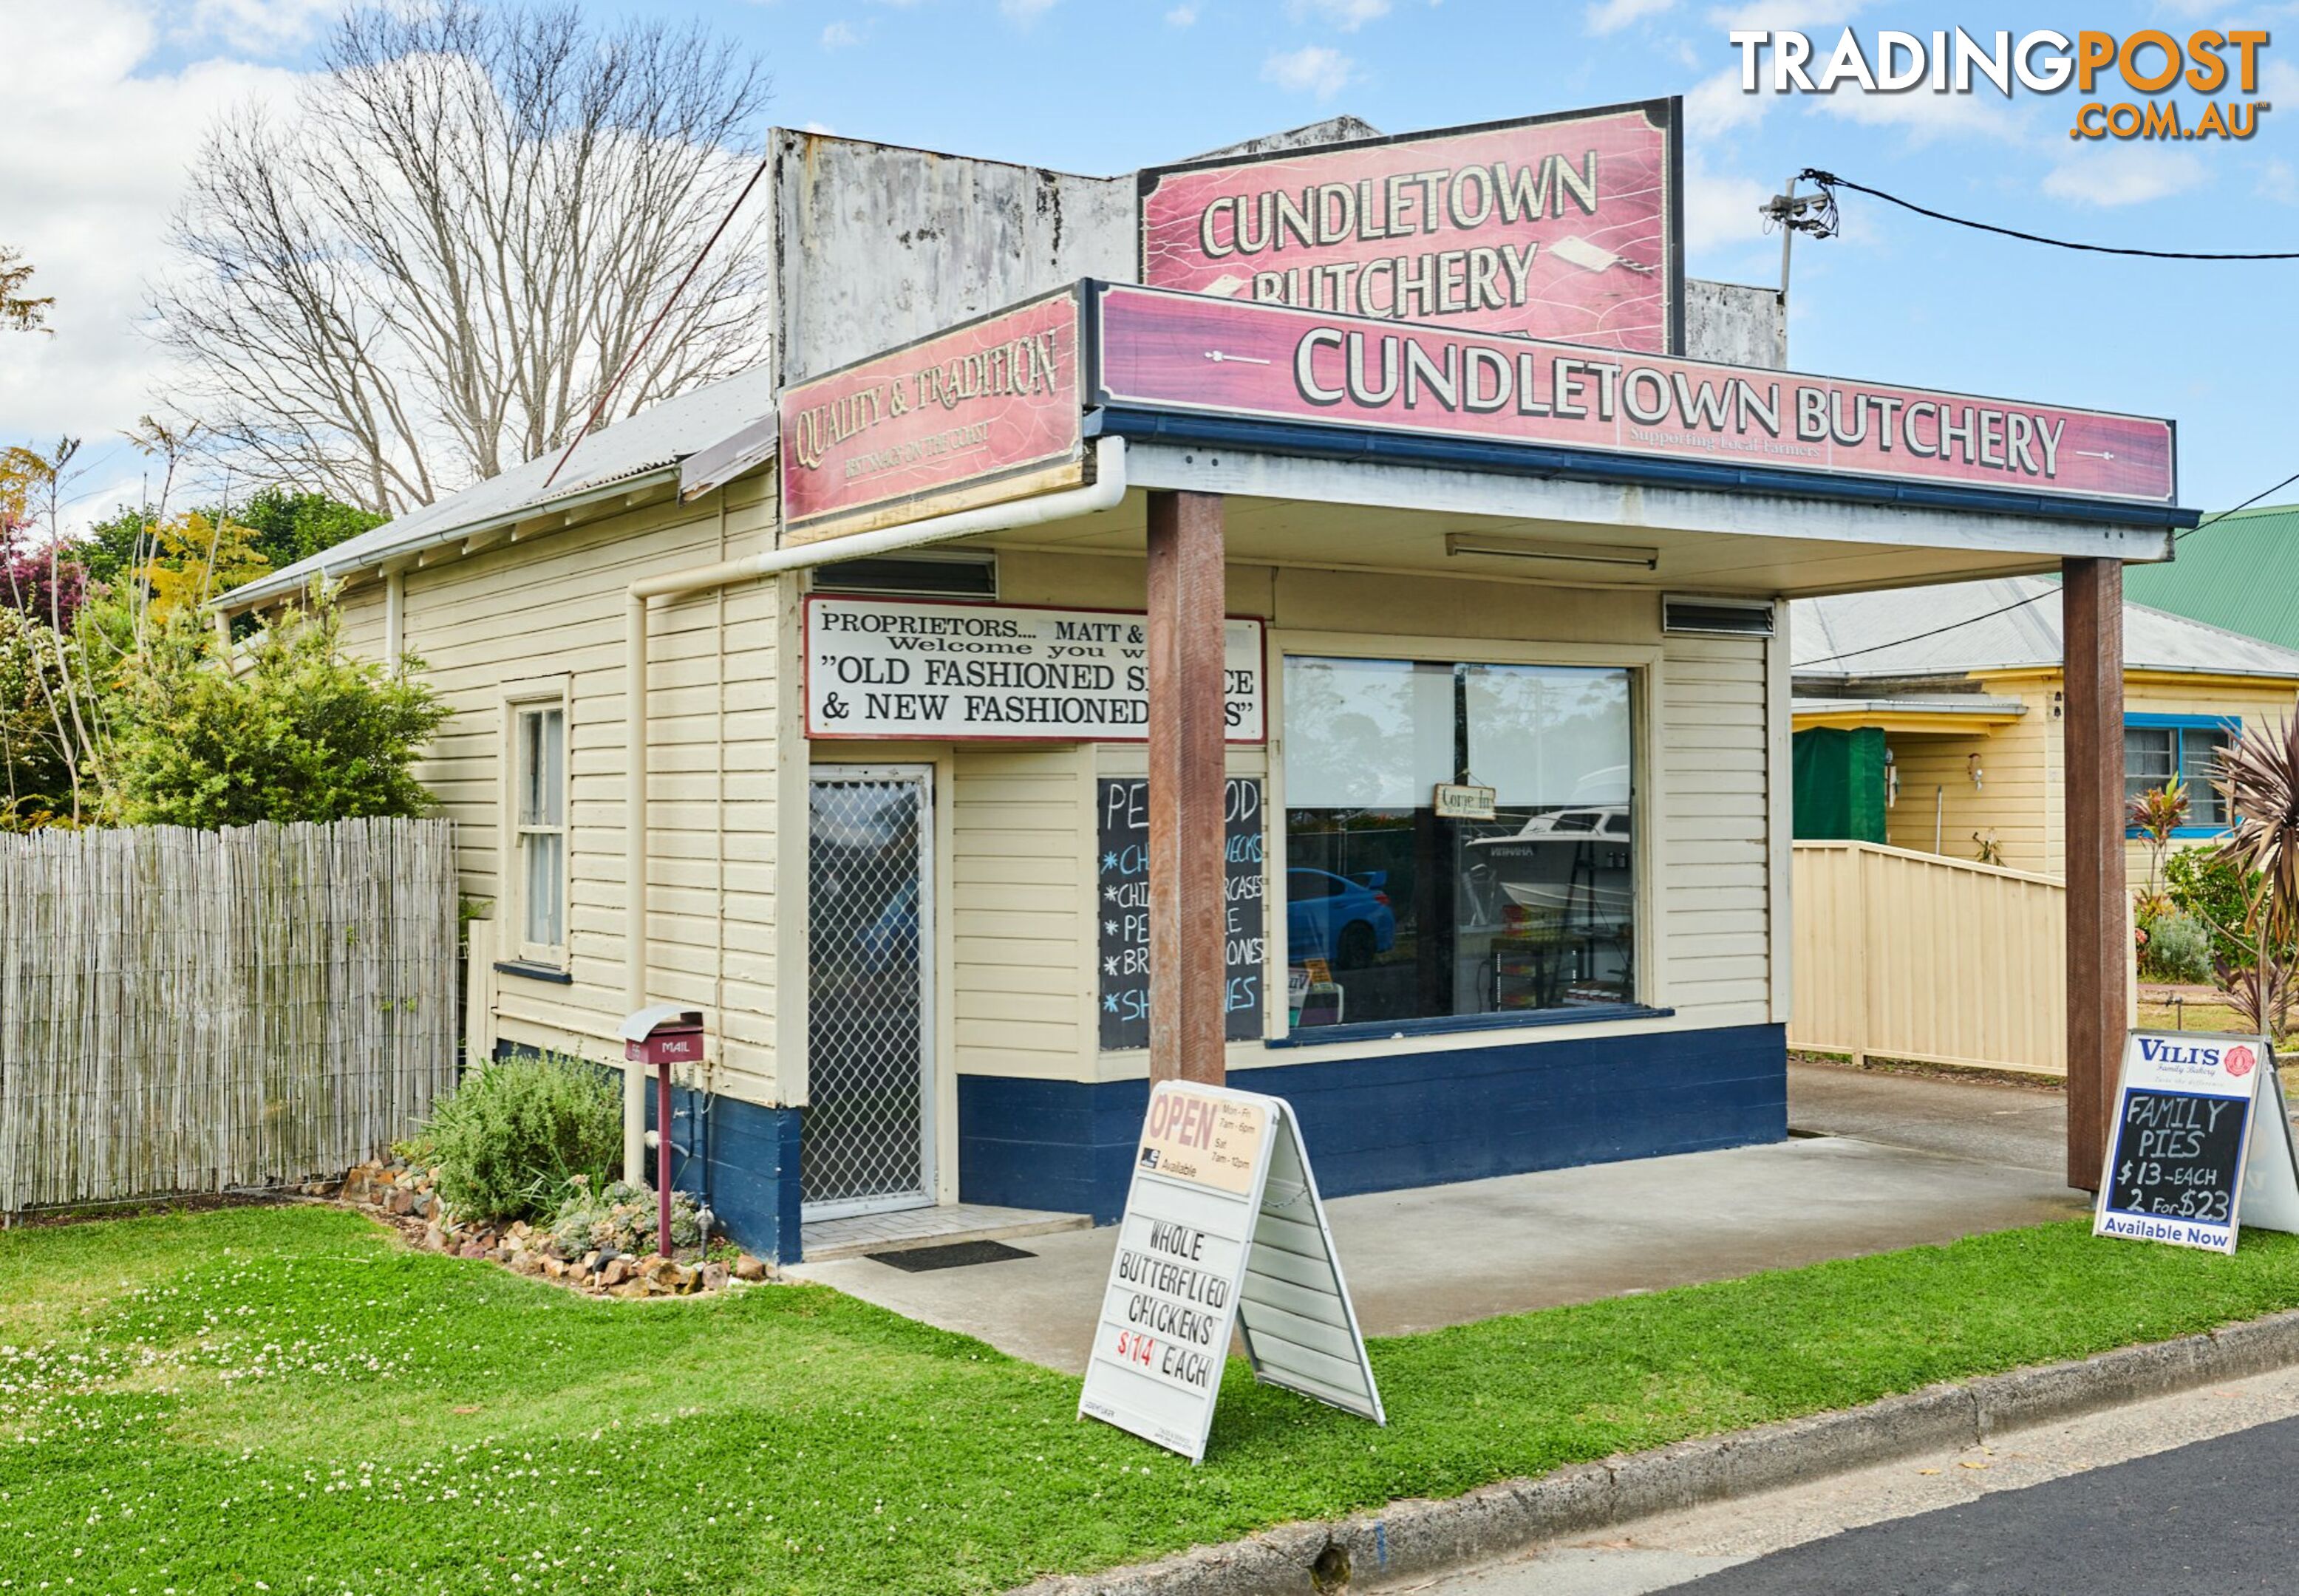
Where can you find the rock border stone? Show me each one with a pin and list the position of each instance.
(1415, 1539)
(406, 1198)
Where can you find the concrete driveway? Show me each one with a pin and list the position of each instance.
(1896, 1161)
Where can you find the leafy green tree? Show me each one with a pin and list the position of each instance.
(282, 525)
(289, 524)
(291, 729)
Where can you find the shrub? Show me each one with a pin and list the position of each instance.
(515, 1137)
(2218, 894)
(623, 1216)
(296, 730)
(2178, 949)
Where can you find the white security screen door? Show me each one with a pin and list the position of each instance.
(867, 1144)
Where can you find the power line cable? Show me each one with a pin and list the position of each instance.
(608, 393)
(1935, 631)
(2247, 504)
(2032, 597)
(1830, 182)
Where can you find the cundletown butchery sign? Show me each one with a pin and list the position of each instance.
(1566, 227)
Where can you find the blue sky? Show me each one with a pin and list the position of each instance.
(1104, 88)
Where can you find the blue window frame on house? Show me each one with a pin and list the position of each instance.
(2156, 746)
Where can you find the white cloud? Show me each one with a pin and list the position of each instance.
(1720, 208)
(1717, 105)
(1313, 70)
(88, 202)
(1610, 16)
(258, 28)
(1347, 15)
(1025, 11)
(839, 36)
(1181, 16)
(2278, 182)
(1924, 116)
(2123, 175)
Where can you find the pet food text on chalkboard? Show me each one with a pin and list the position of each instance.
(1122, 900)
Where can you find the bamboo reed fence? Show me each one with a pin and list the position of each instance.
(202, 1010)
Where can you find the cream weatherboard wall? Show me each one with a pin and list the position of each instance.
(552, 605)
(2022, 797)
(2017, 802)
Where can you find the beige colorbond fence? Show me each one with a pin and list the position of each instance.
(1911, 956)
(194, 1010)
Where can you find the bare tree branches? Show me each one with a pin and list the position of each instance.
(475, 215)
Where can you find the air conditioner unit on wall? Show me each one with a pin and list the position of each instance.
(1725, 617)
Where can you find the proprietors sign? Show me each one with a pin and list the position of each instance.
(1222, 1232)
(894, 667)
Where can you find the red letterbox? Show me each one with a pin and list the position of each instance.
(676, 1042)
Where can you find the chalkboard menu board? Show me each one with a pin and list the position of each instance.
(2199, 1134)
(1123, 902)
(2177, 1154)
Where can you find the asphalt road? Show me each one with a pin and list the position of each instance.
(2212, 1517)
(2185, 1495)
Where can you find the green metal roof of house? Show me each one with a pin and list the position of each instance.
(2238, 572)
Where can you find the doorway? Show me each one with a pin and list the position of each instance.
(868, 1141)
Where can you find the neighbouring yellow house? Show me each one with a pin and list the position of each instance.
(1930, 718)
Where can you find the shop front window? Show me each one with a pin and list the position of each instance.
(1397, 912)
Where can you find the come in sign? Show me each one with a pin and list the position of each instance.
(1223, 1233)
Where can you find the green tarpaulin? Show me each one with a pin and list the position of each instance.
(1839, 785)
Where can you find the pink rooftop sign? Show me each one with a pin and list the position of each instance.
(1561, 227)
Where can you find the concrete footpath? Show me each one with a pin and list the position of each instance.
(1971, 1158)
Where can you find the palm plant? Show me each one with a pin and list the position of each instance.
(2157, 815)
(2259, 773)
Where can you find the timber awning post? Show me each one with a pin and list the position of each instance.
(2091, 597)
(1188, 787)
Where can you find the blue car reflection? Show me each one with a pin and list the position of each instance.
(1343, 920)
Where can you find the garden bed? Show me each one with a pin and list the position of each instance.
(611, 1255)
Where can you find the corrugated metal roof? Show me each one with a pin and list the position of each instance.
(2238, 572)
(2008, 623)
(656, 438)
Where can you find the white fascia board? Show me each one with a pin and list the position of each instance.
(1195, 468)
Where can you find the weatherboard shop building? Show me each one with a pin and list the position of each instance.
(1343, 575)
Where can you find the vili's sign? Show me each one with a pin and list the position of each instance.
(2201, 1143)
(1558, 227)
(984, 411)
(901, 667)
(1179, 352)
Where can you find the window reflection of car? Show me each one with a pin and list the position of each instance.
(1343, 920)
(892, 940)
(1574, 858)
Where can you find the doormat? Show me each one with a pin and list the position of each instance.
(953, 1255)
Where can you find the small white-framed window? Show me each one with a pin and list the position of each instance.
(538, 868)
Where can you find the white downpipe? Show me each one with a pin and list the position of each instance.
(1104, 493)
(394, 618)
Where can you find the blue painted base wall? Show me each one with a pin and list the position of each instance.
(744, 1161)
(744, 1158)
(1419, 1119)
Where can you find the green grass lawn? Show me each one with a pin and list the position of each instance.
(284, 1400)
